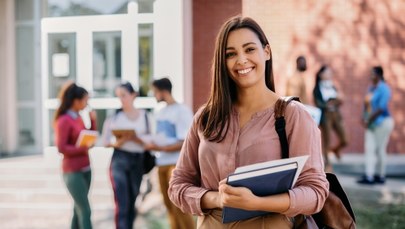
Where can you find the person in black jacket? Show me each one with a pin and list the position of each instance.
(329, 101)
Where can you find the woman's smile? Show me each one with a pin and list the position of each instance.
(245, 71)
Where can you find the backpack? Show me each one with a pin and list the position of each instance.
(337, 212)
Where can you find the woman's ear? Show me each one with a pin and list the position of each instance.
(267, 52)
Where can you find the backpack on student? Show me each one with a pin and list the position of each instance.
(337, 212)
(149, 160)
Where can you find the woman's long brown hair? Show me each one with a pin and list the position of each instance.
(214, 118)
(67, 95)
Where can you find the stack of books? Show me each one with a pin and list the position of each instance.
(263, 179)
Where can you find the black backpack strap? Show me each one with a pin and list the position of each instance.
(279, 110)
(147, 122)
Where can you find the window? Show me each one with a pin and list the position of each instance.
(145, 58)
(106, 63)
(61, 8)
(62, 61)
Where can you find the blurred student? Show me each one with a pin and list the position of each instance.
(329, 100)
(75, 164)
(379, 124)
(126, 168)
(173, 123)
(296, 83)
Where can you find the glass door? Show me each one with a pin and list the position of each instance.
(27, 17)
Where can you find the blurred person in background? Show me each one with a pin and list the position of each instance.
(328, 99)
(172, 124)
(76, 163)
(379, 124)
(126, 169)
(296, 83)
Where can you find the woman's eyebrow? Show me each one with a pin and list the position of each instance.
(244, 45)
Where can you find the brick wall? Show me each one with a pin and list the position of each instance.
(208, 16)
(350, 36)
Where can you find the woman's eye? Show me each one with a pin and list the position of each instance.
(250, 50)
(230, 54)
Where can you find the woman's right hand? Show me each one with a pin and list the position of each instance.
(120, 141)
(213, 199)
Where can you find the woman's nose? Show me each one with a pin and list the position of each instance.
(242, 60)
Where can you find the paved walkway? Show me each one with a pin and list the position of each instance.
(351, 167)
(32, 193)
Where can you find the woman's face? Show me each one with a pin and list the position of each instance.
(80, 104)
(126, 98)
(246, 58)
(374, 77)
(327, 74)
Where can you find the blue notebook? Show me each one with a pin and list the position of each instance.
(262, 182)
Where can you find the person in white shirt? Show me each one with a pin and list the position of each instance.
(172, 125)
(126, 168)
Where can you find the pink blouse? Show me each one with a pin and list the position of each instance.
(203, 164)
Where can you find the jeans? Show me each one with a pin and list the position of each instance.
(78, 185)
(178, 219)
(126, 173)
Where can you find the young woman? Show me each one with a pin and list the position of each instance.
(76, 164)
(236, 128)
(329, 101)
(126, 168)
(379, 124)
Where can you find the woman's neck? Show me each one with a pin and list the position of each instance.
(255, 99)
(128, 109)
(74, 110)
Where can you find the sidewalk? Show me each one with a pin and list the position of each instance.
(32, 193)
(33, 196)
(351, 167)
(354, 164)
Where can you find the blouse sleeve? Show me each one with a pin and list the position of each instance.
(62, 139)
(185, 189)
(311, 190)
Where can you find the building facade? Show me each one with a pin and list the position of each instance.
(176, 38)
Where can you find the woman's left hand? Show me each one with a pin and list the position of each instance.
(93, 115)
(237, 197)
(137, 140)
(153, 147)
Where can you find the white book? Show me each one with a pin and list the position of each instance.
(263, 179)
(299, 161)
(261, 172)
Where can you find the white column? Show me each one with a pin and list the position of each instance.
(8, 95)
(2, 74)
(168, 50)
(188, 52)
